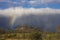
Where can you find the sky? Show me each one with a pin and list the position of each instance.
(30, 3)
(19, 7)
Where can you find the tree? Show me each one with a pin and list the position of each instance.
(58, 29)
(2, 31)
(36, 35)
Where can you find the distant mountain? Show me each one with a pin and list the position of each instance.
(4, 22)
(44, 22)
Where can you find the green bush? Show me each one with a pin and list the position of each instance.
(36, 36)
(11, 35)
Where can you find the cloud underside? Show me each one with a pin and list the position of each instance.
(19, 11)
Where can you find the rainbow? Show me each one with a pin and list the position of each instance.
(13, 18)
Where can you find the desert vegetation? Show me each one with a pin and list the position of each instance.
(28, 33)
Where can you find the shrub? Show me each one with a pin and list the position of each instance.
(37, 36)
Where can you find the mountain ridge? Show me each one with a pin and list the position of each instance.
(47, 22)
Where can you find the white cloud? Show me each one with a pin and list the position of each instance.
(19, 11)
(46, 1)
(31, 2)
(39, 2)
